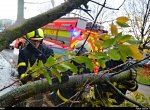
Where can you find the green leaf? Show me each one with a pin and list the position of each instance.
(47, 76)
(108, 43)
(56, 73)
(122, 24)
(35, 64)
(102, 63)
(33, 68)
(50, 61)
(125, 50)
(99, 55)
(61, 68)
(35, 72)
(133, 41)
(119, 34)
(40, 64)
(64, 65)
(80, 59)
(29, 66)
(124, 39)
(73, 68)
(123, 56)
(87, 61)
(114, 54)
(61, 97)
(89, 64)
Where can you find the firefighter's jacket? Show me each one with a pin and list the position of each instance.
(30, 54)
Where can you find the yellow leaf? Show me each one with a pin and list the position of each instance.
(61, 97)
(92, 95)
(99, 43)
(114, 29)
(148, 38)
(135, 52)
(103, 36)
(122, 19)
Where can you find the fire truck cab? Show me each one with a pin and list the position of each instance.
(64, 28)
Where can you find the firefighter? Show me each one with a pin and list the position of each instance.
(123, 86)
(69, 92)
(128, 84)
(33, 51)
(86, 49)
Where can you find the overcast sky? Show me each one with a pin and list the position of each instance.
(8, 8)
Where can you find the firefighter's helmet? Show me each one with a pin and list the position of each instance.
(36, 35)
(86, 48)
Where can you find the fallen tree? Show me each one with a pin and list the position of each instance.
(30, 89)
(28, 25)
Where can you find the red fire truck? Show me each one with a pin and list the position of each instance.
(72, 30)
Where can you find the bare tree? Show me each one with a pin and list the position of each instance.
(139, 13)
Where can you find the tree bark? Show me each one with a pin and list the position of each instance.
(28, 25)
(23, 92)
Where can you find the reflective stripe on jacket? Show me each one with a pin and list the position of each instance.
(30, 54)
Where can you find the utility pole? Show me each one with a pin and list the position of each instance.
(20, 13)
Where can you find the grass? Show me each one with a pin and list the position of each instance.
(143, 75)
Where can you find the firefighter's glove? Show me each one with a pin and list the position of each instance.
(131, 85)
(23, 75)
(133, 74)
(25, 78)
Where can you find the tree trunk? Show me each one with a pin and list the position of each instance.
(23, 92)
(20, 13)
(7, 36)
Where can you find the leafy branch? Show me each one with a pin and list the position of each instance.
(41, 86)
(122, 95)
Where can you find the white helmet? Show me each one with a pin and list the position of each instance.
(87, 45)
